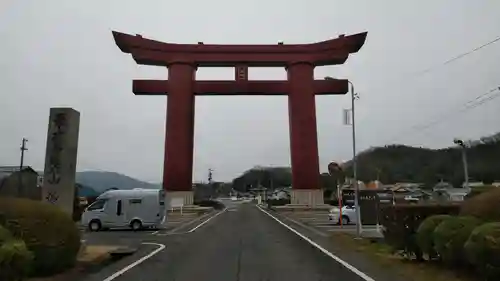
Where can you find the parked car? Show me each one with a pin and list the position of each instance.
(348, 215)
(136, 209)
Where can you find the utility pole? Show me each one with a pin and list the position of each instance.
(211, 187)
(210, 174)
(23, 148)
(464, 160)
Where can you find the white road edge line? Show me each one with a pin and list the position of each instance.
(204, 222)
(137, 262)
(326, 252)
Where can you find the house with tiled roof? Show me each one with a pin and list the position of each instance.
(17, 182)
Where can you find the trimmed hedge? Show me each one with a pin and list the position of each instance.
(484, 206)
(48, 232)
(15, 258)
(450, 236)
(278, 202)
(425, 234)
(479, 190)
(400, 224)
(5, 235)
(211, 203)
(483, 250)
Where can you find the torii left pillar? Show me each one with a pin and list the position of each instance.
(179, 135)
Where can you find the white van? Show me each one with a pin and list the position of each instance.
(136, 208)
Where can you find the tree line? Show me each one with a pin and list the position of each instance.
(397, 163)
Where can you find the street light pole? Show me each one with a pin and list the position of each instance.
(354, 164)
(354, 160)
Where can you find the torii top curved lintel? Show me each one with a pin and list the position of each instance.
(151, 52)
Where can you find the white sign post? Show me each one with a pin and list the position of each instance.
(177, 203)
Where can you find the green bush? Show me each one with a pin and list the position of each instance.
(278, 202)
(5, 235)
(48, 232)
(450, 236)
(400, 224)
(482, 250)
(425, 234)
(479, 190)
(483, 206)
(15, 260)
(210, 203)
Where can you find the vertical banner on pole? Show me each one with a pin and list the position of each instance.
(346, 114)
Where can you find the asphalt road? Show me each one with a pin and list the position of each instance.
(241, 244)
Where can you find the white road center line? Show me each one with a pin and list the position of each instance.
(137, 262)
(326, 252)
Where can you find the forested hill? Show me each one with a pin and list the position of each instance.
(399, 163)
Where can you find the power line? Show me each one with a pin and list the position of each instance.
(455, 58)
(466, 106)
(425, 71)
(477, 101)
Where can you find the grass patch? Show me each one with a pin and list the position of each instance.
(90, 259)
(383, 256)
(93, 254)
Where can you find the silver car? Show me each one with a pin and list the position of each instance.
(348, 215)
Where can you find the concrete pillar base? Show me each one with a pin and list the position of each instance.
(309, 197)
(174, 199)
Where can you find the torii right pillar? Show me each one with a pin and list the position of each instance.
(303, 135)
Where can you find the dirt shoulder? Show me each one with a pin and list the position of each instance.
(354, 258)
(381, 255)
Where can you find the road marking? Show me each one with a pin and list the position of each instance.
(193, 229)
(171, 234)
(137, 262)
(182, 225)
(326, 252)
(307, 227)
(204, 222)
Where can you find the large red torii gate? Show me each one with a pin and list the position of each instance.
(182, 60)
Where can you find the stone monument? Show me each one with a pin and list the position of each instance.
(60, 158)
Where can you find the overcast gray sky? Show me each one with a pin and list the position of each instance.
(61, 53)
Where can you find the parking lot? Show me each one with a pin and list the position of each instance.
(318, 222)
(176, 223)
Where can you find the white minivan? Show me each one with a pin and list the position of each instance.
(135, 209)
